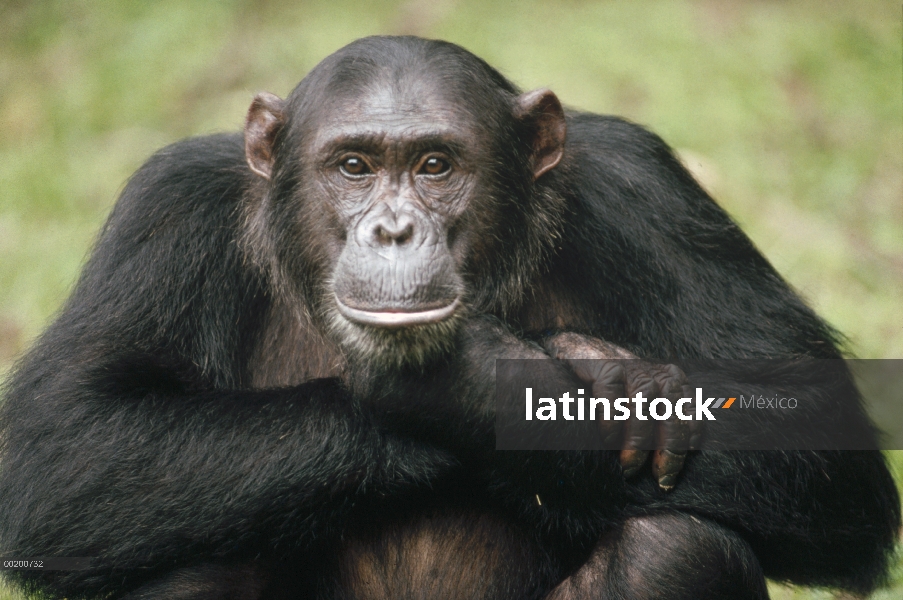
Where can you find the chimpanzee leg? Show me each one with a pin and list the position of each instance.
(440, 555)
(667, 556)
(206, 582)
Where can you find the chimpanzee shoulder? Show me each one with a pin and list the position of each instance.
(659, 266)
(167, 277)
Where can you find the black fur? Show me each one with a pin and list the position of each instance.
(182, 420)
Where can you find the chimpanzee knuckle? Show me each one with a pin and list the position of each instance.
(642, 381)
(611, 372)
(596, 348)
(610, 391)
(557, 346)
(670, 380)
(586, 370)
(618, 352)
(670, 388)
(567, 342)
(610, 380)
(580, 352)
(677, 374)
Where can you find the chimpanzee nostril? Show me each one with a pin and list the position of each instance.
(400, 232)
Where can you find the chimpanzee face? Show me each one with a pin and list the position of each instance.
(394, 183)
(397, 170)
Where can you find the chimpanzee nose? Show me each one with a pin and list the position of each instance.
(398, 230)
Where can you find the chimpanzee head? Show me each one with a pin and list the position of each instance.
(399, 190)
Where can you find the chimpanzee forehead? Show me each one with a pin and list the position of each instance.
(404, 106)
(392, 85)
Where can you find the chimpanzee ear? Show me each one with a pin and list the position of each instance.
(542, 110)
(264, 119)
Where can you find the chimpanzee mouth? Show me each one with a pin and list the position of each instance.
(395, 319)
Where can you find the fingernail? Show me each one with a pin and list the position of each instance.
(667, 481)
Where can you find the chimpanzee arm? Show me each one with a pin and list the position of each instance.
(159, 480)
(129, 433)
(651, 263)
(452, 403)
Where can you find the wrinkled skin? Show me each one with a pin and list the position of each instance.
(613, 372)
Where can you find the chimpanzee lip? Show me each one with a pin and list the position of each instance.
(397, 318)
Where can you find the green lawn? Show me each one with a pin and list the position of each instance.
(791, 114)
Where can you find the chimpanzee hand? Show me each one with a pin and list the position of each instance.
(613, 377)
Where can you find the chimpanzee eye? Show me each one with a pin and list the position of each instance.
(355, 165)
(434, 166)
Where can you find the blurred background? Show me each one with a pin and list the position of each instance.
(789, 113)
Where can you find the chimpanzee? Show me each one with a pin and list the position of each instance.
(274, 378)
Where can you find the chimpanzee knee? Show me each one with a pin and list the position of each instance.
(206, 582)
(668, 556)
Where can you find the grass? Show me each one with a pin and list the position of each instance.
(790, 113)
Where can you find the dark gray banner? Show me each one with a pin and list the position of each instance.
(703, 404)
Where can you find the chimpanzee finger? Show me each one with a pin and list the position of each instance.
(607, 377)
(632, 461)
(607, 380)
(611, 383)
(673, 434)
(635, 448)
(672, 445)
(570, 345)
(639, 434)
